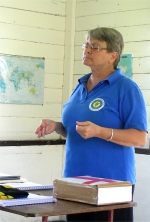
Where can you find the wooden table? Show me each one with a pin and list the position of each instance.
(62, 207)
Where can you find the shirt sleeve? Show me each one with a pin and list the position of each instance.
(133, 109)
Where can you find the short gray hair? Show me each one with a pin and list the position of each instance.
(112, 37)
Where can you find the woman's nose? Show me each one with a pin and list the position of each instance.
(88, 49)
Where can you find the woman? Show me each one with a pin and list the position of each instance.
(104, 119)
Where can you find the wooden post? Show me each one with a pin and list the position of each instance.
(111, 215)
(45, 219)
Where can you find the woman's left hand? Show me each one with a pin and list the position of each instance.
(87, 129)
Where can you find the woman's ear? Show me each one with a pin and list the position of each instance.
(113, 57)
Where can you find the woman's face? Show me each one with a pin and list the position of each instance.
(95, 54)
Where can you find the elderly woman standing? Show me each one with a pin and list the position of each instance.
(104, 119)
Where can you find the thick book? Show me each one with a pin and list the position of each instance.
(30, 186)
(92, 190)
(31, 199)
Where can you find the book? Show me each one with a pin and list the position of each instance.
(21, 180)
(30, 186)
(92, 190)
(31, 199)
(4, 178)
(9, 177)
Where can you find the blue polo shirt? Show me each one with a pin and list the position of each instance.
(115, 102)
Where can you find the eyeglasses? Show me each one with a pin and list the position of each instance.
(93, 47)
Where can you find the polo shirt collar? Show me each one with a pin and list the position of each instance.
(117, 74)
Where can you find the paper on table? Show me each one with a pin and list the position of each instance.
(30, 186)
(31, 199)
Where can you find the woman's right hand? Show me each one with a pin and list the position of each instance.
(46, 127)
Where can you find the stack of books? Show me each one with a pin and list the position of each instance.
(23, 184)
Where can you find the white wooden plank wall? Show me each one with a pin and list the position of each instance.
(132, 19)
(36, 29)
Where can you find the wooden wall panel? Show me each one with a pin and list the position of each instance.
(90, 7)
(43, 6)
(52, 110)
(35, 18)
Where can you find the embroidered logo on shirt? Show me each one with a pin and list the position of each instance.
(97, 104)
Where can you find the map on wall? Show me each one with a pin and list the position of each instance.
(21, 79)
(126, 64)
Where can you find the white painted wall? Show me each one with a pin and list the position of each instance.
(55, 29)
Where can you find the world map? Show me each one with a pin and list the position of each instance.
(21, 79)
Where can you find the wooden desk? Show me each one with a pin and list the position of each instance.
(62, 207)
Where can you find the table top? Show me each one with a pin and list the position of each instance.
(61, 207)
